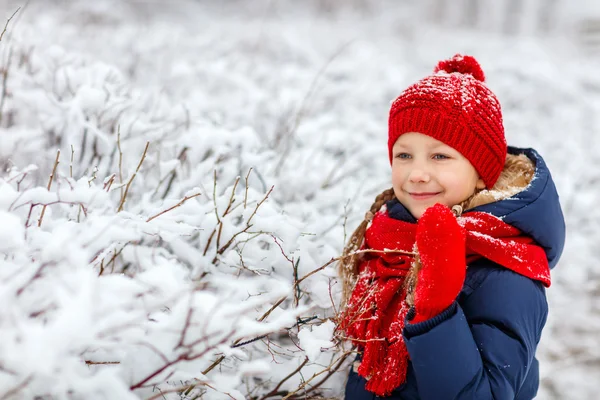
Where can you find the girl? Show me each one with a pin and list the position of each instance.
(444, 303)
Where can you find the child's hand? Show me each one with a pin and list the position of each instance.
(441, 247)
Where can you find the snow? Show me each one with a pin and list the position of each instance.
(312, 341)
(12, 234)
(278, 94)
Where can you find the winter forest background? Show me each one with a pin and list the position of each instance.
(208, 159)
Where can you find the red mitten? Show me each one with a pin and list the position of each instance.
(441, 246)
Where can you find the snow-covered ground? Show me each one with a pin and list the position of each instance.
(285, 95)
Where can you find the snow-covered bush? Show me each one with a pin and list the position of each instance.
(146, 257)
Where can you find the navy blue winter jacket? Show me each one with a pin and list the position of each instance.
(483, 346)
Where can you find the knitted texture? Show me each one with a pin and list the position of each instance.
(376, 312)
(441, 247)
(455, 107)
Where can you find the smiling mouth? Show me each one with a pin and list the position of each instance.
(423, 195)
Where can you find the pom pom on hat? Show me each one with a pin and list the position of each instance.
(455, 107)
(462, 64)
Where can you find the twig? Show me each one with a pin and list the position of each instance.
(345, 220)
(17, 388)
(35, 276)
(297, 291)
(83, 143)
(49, 186)
(88, 362)
(342, 337)
(48, 204)
(354, 253)
(186, 198)
(20, 181)
(132, 178)
(182, 357)
(331, 372)
(299, 323)
(188, 322)
(215, 196)
(248, 226)
(209, 241)
(109, 183)
(273, 307)
(94, 176)
(158, 371)
(232, 198)
(6, 26)
(259, 204)
(265, 315)
(181, 157)
(329, 369)
(112, 259)
(4, 85)
(281, 382)
(120, 159)
(29, 217)
(214, 364)
(335, 311)
(218, 242)
(230, 241)
(161, 393)
(71, 163)
(246, 194)
(281, 249)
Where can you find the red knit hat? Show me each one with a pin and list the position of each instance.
(455, 107)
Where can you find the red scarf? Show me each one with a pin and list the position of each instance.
(377, 308)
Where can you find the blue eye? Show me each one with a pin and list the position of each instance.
(440, 157)
(403, 156)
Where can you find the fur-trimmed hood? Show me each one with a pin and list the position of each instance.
(535, 210)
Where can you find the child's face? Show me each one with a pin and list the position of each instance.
(426, 171)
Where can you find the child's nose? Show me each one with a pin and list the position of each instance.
(419, 175)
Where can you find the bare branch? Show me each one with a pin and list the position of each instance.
(188, 322)
(89, 362)
(6, 26)
(35, 276)
(232, 198)
(186, 198)
(226, 245)
(281, 382)
(132, 178)
(354, 253)
(331, 370)
(259, 204)
(120, 159)
(161, 393)
(215, 196)
(71, 163)
(246, 194)
(4, 83)
(94, 176)
(49, 186)
(12, 392)
(209, 241)
(109, 183)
